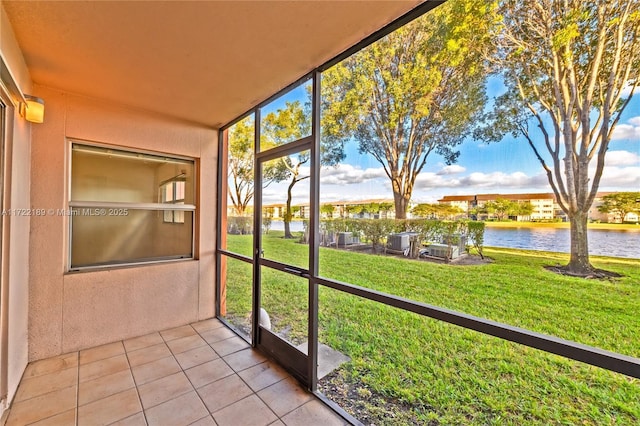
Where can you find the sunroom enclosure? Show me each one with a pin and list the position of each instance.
(251, 261)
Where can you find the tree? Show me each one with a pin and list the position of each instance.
(523, 209)
(570, 68)
(240, 169)
(501, 207)
(414, 92)
(287, 125)
(435, 211)
(620, 204)
(327, 210)
(385, 207)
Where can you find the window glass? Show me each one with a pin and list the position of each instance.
(129, 207)
(119, 235)
(394, 364)
(102, 174)
(421, 206)
(287, 118)
(237, 218)
(236, 292)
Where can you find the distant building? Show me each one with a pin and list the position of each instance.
(544, 205)
(341, 209)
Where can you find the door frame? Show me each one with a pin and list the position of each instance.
(302, 366)
(7, 108)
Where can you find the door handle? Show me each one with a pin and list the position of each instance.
(297, 272)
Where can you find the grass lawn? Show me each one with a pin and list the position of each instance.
(406, 368)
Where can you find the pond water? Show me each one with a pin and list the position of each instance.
(601, 242)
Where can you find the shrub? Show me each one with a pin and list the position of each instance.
(476, 236)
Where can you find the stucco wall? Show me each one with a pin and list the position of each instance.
(18, 195)
(71, 311)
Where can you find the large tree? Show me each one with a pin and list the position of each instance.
(288, 124)
(240, 168)
(571, 68)
(414, 92)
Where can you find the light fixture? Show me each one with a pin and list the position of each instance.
(33, 110)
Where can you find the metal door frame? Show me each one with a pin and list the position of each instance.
(303, 367)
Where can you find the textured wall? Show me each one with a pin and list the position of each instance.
(71, 311)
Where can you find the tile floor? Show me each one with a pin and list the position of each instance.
(199, 374)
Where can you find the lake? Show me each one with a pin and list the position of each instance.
(601, 242)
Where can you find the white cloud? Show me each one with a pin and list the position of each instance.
(627, 90)
(452, 169)
(482, 181)
(621, 158)
(621, 177)
(347, 174)
(630, 131)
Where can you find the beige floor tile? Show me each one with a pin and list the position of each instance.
(42, 407)
(51, 365)
(224, 392)
(135, 420)
(105, 386)
(244, 359)
(208, 372)
(101, 352)
(209, 324)
(205, 421)
(110, 409)
(262, 375)
(313, 413)
(39, 385)
(284, 396)
(104, 367)
(142, 342)
(178, 332)
(184, 344)
(155, 370)
(229, 346)
(164, 389)
(250, 411)
(196, 356)
(148, 354)
(68, 418)
(277, 423)
(217, 334)
(183, 410)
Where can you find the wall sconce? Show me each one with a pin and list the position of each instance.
(33, 110)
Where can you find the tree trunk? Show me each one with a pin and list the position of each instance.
(579, 261)
(401, 204)
(287, 213)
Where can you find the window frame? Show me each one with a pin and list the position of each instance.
(72, 205)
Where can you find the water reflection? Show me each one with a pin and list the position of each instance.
(601, 242)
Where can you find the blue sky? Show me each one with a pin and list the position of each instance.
(508, 166)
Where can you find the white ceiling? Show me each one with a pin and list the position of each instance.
(205, 62)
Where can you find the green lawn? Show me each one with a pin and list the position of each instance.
(421, 370)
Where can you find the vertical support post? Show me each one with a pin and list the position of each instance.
(257, 234)
(314, 234)
(223, 164)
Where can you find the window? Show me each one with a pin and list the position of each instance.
(129, 207)
(172, 192)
